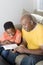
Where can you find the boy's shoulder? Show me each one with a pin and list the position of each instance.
(5, 34)
(18, 31)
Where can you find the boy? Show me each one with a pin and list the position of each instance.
(11, 35)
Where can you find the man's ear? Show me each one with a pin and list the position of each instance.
(31, 22)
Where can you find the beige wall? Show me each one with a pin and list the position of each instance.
(11, 10)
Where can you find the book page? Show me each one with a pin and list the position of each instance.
(10, 46)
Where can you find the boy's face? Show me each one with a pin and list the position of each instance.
(26, 24)
(10, 32)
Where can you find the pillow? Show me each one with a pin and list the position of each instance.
(38, 11)
(38, 18)
(18, 26)
(24, 12)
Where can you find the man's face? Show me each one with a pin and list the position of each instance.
(10, 32)
(26, 24)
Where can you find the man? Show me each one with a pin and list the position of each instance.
(32, 38)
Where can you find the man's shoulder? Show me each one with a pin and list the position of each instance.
(40, 24)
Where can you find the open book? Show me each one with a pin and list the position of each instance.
(10, 46)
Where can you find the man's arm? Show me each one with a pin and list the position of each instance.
(18, 38)
(23, 49)
(34, 51)
(24, 43)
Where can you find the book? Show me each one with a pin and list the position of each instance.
(10, 46)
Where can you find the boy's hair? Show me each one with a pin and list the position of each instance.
(8, 25)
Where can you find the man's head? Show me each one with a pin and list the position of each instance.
(9, 28)
(27, 22)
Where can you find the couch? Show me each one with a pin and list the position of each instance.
(39, 12)
(2, 61)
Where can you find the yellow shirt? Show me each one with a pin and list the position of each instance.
(34, 38)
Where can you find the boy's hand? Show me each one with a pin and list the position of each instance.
(5, 42)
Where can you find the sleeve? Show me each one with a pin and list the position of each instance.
(40, 37)
(18, 38)
(3, 38)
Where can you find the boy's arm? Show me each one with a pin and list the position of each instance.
(18, 38)
(5, 42)
(2, 39)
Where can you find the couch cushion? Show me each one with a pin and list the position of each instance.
(38, 18)
(40, 63)
(18, 26)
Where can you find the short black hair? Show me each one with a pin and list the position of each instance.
(8, 25)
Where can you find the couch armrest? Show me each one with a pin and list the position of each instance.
(39, 12)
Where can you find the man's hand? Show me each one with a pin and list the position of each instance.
(20, 49)
(13, 51)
